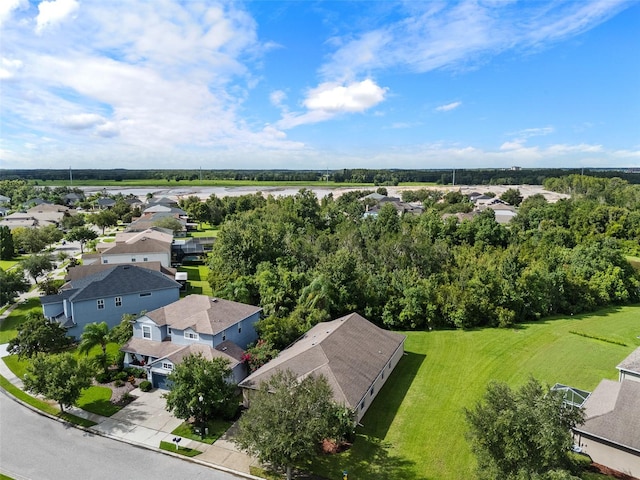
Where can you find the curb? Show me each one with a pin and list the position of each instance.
(137, 445)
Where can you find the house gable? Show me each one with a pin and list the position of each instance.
(354, 355)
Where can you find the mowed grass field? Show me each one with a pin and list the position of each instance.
(415, 429)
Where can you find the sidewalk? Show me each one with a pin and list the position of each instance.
(145, 422)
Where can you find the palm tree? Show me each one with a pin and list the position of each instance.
(95, 334)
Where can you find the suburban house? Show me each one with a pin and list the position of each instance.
(73, 198)
(19, 219)
(610, 434)
(146, 246)
(107, 295)
(355, 356)
(39, 216)
(105, 202)
(380, 200)
(194, 324)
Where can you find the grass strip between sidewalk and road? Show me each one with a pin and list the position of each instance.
(216, 428)
(171, 447)
(43, 406)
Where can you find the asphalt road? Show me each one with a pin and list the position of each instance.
(34, 447)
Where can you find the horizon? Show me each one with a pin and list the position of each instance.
(319, 85)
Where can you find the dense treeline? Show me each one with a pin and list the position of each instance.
(376, 176)
(306, 262)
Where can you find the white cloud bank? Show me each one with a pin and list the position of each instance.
(54, 12)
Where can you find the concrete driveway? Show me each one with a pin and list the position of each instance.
(144, 420)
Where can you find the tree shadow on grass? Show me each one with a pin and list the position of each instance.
(368, 458)
(382, 411)
(370, 455)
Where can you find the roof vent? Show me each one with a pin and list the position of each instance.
(214, 299)
(224, 349)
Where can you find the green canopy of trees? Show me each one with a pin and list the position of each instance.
(38, 334)
(288, 419)
(58, 377)
(202, 389)
(524, 433)
(36, 265)
(305, 261)
(12, 282)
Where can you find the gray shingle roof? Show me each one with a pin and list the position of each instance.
(120, 280)
(143, 245)
(175, 352)
(203, 314)
(350, 352)
(613, 413)
(631, 363)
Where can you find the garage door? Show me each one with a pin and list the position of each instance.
(161, 381)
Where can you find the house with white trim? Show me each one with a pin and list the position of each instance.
(610, 434)
(213, 327)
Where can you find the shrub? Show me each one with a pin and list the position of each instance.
(141, 373)
(145, 385)
(122, 376)
(118, 383)
(103, 378)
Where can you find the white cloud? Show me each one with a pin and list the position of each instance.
(82, 121)
(277, 97)
(355, 97)
(8, 6)
(331, 99)
(429, 35)
(9, 68)
(448, 107)
(108, 130)
(54, 12)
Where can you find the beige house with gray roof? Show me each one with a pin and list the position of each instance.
(355, 356)
(610, 434)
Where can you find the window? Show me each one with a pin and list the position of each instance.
(362, 405)
(100, 303)
(133, 259)
(170, 331)
(239, 329)
(104, 260)
(191, 335)
(224, 336)
(145, 259)
(118, 301)
(146, 294)
(167, 365)
(146, 331)
(371, 391)
(383, 375)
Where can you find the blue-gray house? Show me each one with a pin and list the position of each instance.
(107, 295)
(196, 324)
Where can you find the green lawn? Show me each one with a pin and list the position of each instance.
(41, 405)
(9, 326)
(197, 275)
(171, 447)
(7, 264)
(216, 427)
(96, 399)
(416, 430)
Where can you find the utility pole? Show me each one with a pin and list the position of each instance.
(70, 177)
(454, 177)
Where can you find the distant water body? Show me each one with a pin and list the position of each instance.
(206, 192)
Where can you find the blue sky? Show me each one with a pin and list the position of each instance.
(315, 85)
